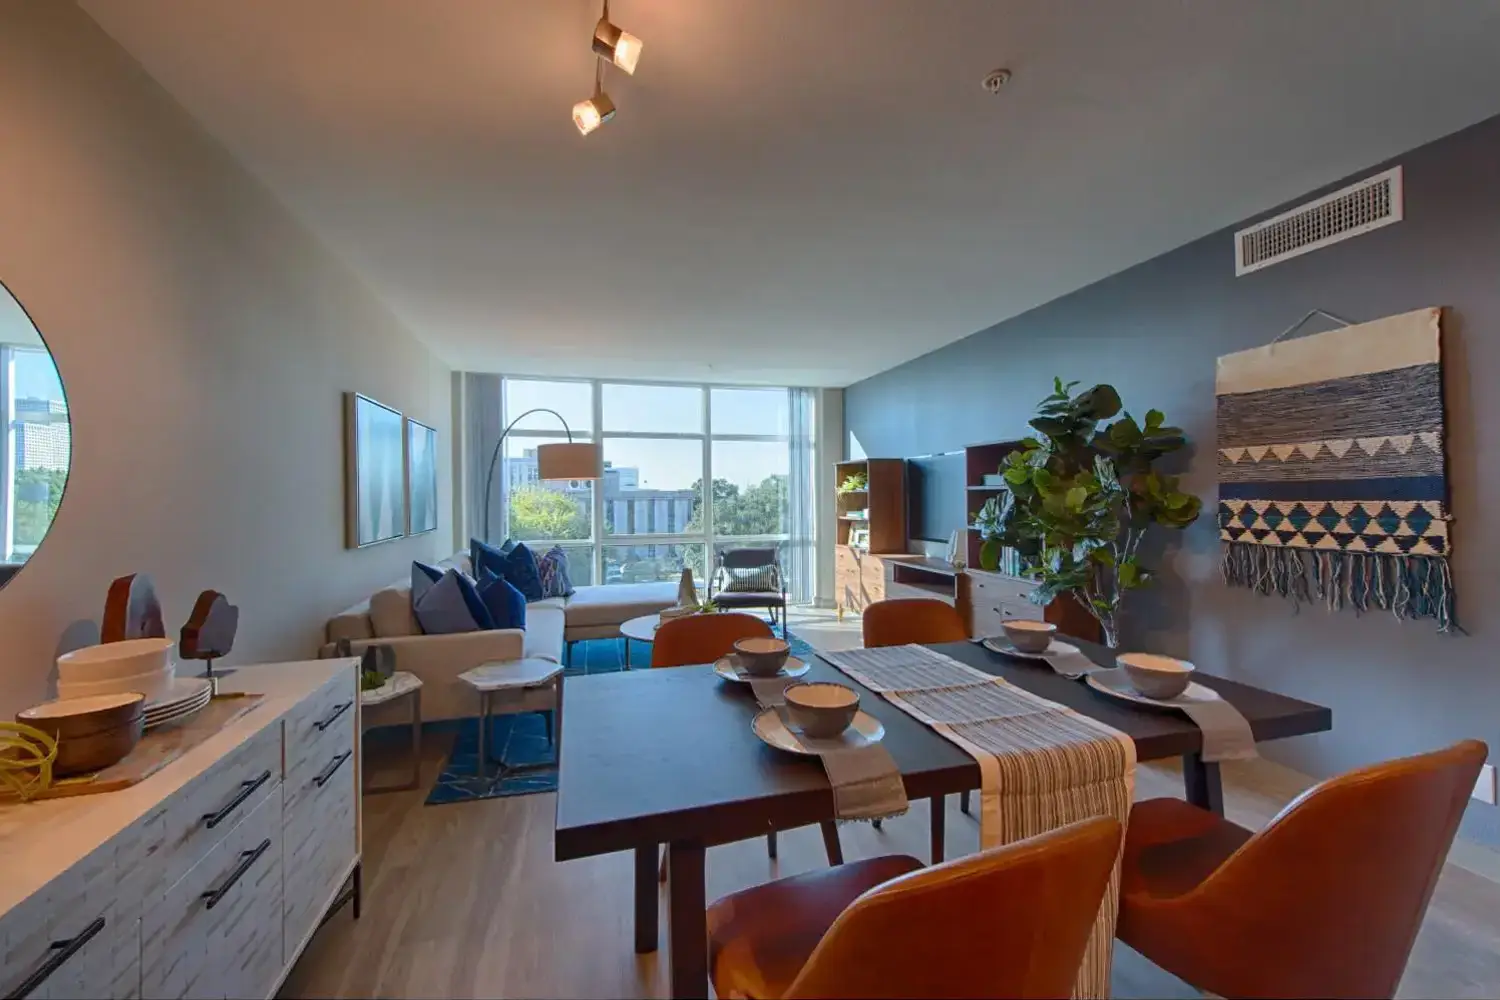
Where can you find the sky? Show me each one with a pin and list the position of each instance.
(663, 464)
(36, 375)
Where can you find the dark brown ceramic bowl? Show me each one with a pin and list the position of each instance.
(96, 751)
(91, 733)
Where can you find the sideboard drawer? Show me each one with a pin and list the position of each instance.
(209, 935)
(990, 589)
(182, 829)
(321, 842)
(331, 711)
(80, 936)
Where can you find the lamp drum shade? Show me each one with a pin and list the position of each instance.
(569, 460)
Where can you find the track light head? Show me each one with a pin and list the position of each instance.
(620, 48)
(590, 114)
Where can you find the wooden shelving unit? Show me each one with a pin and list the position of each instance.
(859, 574)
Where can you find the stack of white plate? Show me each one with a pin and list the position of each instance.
(185, 696)
(143, 665)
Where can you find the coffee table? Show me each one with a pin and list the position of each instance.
(642, 629)
(510, 687)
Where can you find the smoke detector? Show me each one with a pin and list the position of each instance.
(995, 79)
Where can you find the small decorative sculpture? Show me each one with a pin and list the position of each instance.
(210, 631)
(132, 610)
(687, 593)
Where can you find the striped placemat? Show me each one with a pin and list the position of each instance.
(1042, 765)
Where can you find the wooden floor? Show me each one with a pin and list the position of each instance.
(465, 900)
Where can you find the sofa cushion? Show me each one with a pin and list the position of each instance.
(504, 602)
(543, 638)
(391, 614)
(351, 623)
(423, 577)
(452, 605)
(614, 604)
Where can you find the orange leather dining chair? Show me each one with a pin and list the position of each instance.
(904, 620)
(693, 639)
(1010, 922)
(1325, 901)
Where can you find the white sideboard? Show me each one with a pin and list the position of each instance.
(208, 878)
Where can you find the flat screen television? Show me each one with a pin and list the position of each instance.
(935, 503)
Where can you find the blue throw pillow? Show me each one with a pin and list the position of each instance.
(514, 562)
(506, 604)
(445, 607)
(486, 557)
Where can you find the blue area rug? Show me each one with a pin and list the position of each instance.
(522, 739)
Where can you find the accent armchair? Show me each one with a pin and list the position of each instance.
(750, 578)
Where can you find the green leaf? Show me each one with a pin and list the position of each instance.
(1076, 497)
(1154, 419)
(1017, 475)
(1128, 573)
(989, 554)
(1103, 556)
(1050, 426)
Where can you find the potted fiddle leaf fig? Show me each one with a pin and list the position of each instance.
(1081, 495)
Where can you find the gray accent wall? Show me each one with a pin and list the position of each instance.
(1155, 331)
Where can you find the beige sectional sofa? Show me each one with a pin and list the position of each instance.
(552, 626)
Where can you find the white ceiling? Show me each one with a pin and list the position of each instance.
(804, 191)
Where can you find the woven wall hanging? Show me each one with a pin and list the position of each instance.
(1332, 469)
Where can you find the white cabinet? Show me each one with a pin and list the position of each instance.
(205, 880)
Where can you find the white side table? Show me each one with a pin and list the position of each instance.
(400, 685)
(511, 687)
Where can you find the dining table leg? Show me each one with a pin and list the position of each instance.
(645, 899)
(687, 919)
(939, 820)
(1203, 786)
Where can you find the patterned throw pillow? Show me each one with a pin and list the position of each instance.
(758, 579)
(552, 569)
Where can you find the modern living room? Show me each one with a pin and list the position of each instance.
(748, 498)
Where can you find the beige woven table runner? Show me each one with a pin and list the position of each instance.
(1042, 765)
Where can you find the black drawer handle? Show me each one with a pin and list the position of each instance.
(247, 789)
(247, 859)
(332, 716)
(61, 952)
(333, 766)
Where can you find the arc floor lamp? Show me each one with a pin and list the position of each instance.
(561, 460)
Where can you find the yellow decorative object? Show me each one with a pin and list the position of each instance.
(26, 756)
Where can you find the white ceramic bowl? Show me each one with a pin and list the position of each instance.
(153, 684)
(130, 658)
(1029, 636)
(762, 656)
(1156, 676)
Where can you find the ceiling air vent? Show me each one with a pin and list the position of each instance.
(1358, 208)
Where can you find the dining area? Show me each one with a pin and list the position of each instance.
(1040, 753)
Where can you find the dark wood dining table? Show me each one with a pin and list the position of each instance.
(667, 757)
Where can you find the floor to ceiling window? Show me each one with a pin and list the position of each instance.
(651, 516)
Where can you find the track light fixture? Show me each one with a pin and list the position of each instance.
(619, 47)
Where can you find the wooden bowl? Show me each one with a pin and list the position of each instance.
(91, 733)
(762, 656)
(820, 709)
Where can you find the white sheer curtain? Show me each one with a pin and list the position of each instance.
(801, 548)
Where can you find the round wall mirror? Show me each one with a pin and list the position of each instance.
(37, 444)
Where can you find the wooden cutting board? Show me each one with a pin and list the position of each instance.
(157, 748)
